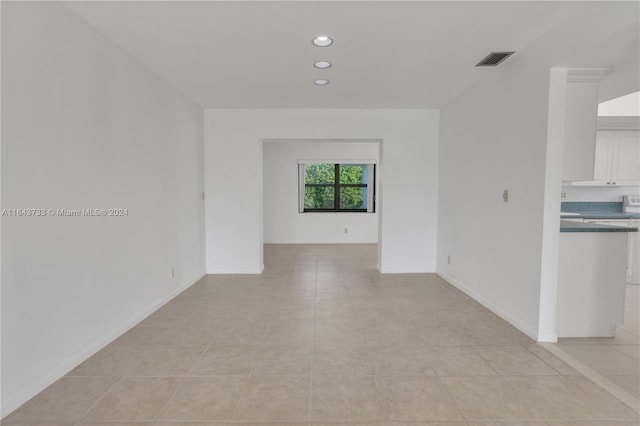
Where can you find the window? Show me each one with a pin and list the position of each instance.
(337, 187)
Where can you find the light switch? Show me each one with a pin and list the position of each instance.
(505, 196)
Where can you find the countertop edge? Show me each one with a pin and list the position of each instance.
(569, 226)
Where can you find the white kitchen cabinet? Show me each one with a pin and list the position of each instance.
(617, 158)
(627, 159)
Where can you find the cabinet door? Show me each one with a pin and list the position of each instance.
(603, 158)
(626, 165)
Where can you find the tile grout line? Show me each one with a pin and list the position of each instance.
(374, 376)
(360, 327)
(594, 376)
(615, 348)
(183, 379)
(120, 379)
(313, 343)
(475, 351)
(455, 402)
(245, 386)
(549, 365)
(381, 398)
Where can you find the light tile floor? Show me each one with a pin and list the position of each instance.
(322, 338)
(616, 359)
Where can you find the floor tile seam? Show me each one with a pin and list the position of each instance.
(580, 421)
(622, 375)
(242, 395)
(602, 361)
(577, 421)
(595, 377)
(179, 386)
(84, 416)
(357, 320)
(381, 399)
(202, 355)
(155, 376)
(475, 351)
(527, 348)
(154, 349)
(451, 397)
(625, 354)
(182, 382)
(266, 331)
(313, 343)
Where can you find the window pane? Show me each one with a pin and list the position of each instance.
(319, 197)
(353, 173)
(353, 198)
(320, 173)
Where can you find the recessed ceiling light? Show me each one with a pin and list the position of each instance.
(322, 64)
(322, 41)
(321, 82)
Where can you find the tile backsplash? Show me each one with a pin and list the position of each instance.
(591, 207)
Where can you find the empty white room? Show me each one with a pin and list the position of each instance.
(391, 213)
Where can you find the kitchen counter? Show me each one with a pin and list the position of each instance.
(599, 215)
(568, 226)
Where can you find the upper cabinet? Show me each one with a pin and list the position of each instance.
(581, 112)
(617, 158)
(598, 151)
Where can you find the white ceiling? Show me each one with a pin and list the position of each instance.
(387, 54)
(628, 105)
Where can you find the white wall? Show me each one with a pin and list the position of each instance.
(282, 221)
(408, 176)
(597, 193)
(494, 137)
(86, 126)
(624, 78)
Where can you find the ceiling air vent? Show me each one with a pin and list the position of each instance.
(493, 59)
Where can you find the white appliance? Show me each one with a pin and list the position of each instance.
(631, 203)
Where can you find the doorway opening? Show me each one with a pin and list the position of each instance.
(284, 222)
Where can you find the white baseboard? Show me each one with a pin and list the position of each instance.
(34, 388)
(492, 307)
(235, 271)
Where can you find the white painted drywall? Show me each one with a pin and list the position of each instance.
(283, 224)
(234, 179)
(624, 78)
(494, 137)
(86, 126)
(598, 193)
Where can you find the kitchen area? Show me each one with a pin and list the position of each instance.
(599, 250)
(596, 299)
(599, 268)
